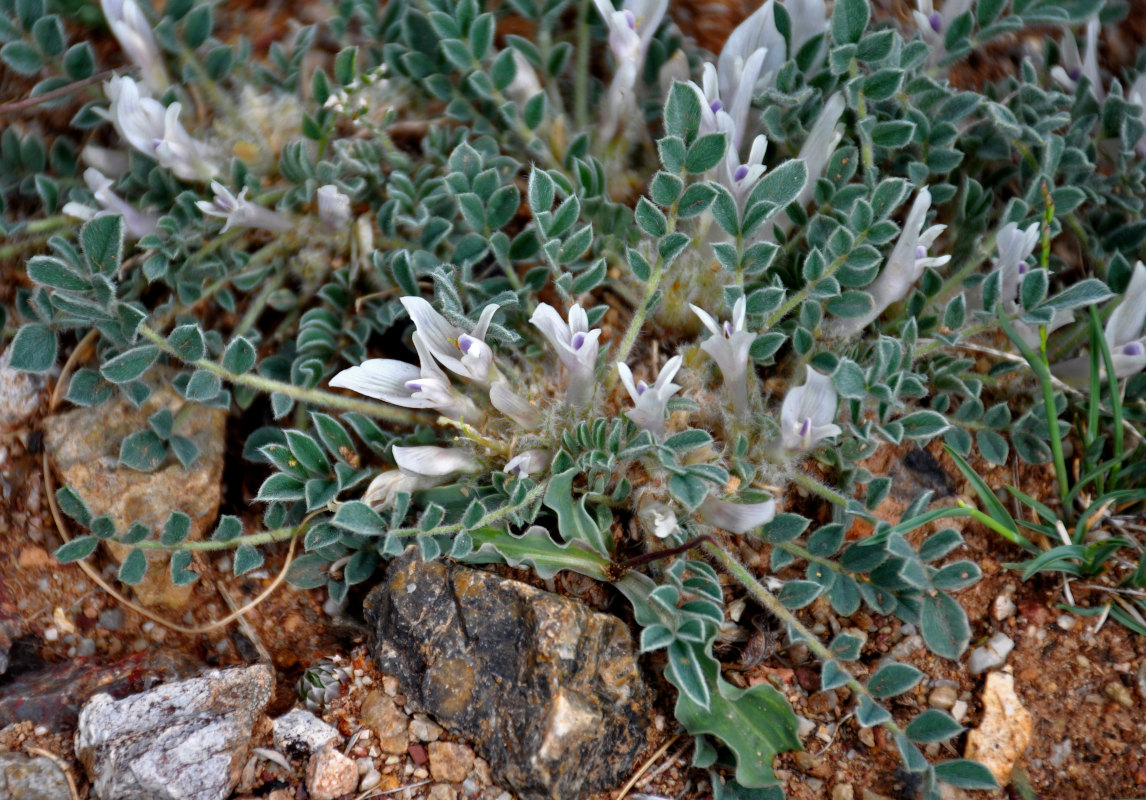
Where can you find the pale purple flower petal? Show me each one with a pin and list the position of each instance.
(435, 462)
(529, 462)
(131, 28)
(649, 401)
(576, 346)
(728, 347)
(808, 413)
(239, 212)
(737, 517)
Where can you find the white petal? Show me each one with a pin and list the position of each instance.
(737, 517)
(434, 461)
(706, 318)
(627, 380)
(668, 372)
(517, 409)
(383, 379)
(552, 327)
(438, 334)
(1125, 323)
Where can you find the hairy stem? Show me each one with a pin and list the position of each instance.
(299, 394)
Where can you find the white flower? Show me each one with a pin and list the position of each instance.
(933, 24)
(822, 139)
(385, 488)
(1124, 335)
(525, 83)
(462, 353)
(631, 30)
(408, 386)
(903, 268)
(649, 401)
(726, 113)
(1073, 67)
(239, 212)
(658, 519)
(511, 405)
(757, 32)
(728, 347)
(1015, 247)
(576, 346)
(737, 517)
(155, 131)
(419, 468)
(808, 413)
(528, 462)
(113, 163)
(816, 152)
(131, 28)
(740, 178)
(137, 224)
(333, 208)
(435, 462)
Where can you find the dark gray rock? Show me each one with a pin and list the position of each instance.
(179, 741)
(26, 778)
(53, 695)
(549, 691)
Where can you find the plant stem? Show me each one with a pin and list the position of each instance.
(581, 76)
(316, 397)
(641, 311)
(772, 604)
(493, 516)
(40, 228)
(815, 487)
(803, 294)
(254, 539)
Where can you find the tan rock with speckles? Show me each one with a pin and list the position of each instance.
(450, 762)
(329, 774)
(84, 445)
(387, 721)
(1005, 732)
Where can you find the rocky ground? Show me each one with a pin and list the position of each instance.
(1058, 698)
(418, 712)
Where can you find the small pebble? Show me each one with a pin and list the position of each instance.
(1141, 676)
(943, 697)
(51, 634)
(112, 619)
(1066, 622)
(1004, 606)
(1119, 694)
(41, 730)
(959, 710)
(991, 655)
(86, 647)
(1060, 753)
(369, 780)
(804, 727)
(907, 629)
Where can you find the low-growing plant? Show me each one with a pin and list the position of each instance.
(575, 255)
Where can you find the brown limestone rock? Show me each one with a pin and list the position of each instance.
(549, 692)
(84, 445)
